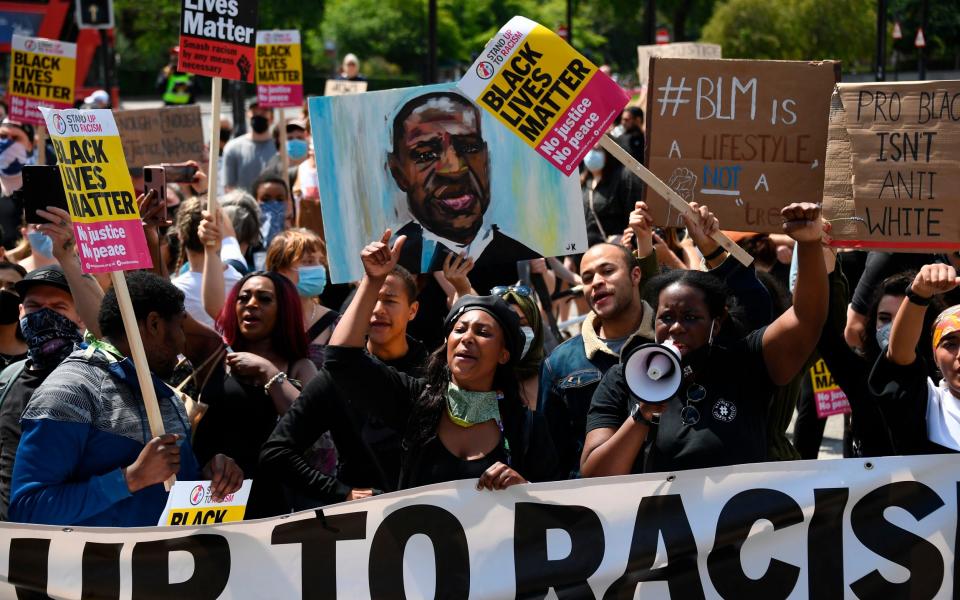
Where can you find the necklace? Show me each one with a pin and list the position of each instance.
(313, 313)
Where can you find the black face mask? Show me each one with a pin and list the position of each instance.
(259, 124)
(225, 135)
(9, 307)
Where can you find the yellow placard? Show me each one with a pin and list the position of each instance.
(279, 64)
(42, 77)
(97, 188)
(206, 515)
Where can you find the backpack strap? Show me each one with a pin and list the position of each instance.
(10, 374)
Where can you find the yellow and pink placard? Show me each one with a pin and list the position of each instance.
(279, 69)
(544, 91)
(42, 73)
(96, 182)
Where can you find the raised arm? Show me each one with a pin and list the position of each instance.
(908, 324)
(86, 291)
(788, 341)
(378, 260)
(212, 288)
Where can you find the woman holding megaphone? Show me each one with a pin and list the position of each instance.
(716, 413)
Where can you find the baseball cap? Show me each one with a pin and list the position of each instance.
(296, 124)
(51, 275)
(26, 128)
(499, 310)
(98, 97)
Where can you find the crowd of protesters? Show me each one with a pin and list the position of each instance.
(264, 370)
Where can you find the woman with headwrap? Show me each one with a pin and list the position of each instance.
(520, 299)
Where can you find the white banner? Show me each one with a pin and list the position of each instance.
(879, 528)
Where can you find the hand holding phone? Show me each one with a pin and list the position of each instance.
(42, 187)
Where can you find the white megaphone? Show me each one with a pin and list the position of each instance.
(653, 372)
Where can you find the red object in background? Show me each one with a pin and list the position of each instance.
(897, 32)
(663, 35)
(920, 41)
(563, 32)
(50, 20)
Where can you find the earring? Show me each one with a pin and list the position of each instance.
(713, 325)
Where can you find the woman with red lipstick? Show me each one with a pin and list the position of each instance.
(465, 419)
(262, 374)
(718, 416)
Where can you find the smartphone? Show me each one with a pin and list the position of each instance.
(154, 178)
(42, 187)
(179, 172)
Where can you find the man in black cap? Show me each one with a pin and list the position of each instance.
(51, 326)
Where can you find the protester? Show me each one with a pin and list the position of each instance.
(276, 205)
(194, 251)
(718, 417)
(465, 418)
(609, 194)
(923, 415)
(245, 157)
(86, 456)
(16, 150)
(178, 88)
(265, 368)
(350, 70)
(520, 299)
(611, 286)
(631, 138)
(369, 449)
(298, 255)
(12, 346)
(298, 149)
(98, 99)
(243, 211)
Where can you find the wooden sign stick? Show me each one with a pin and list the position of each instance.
(667, 193)
(216, 93)
(154, 419)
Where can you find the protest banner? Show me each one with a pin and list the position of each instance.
(161, 135)
(827, 395)
(558, 102)
(191, 503)
(42, 73)
(894, 184)
(343, 87)
(279, 69)
(218, 38)
(429, 164)
(106, 218)
(857, 528)
(745, 137)
(674, 50)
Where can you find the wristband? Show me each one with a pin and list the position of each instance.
(720, 250)
(916, 298)
(638, 417)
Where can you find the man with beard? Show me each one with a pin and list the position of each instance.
(441, 162)
(86, 456)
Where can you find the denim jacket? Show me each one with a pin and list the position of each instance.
(568, 379)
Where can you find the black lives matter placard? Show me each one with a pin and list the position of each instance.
(218, 38)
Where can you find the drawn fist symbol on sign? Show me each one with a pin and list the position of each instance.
(683, 182)
(243, 64)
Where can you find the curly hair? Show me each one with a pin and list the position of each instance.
(149, 293)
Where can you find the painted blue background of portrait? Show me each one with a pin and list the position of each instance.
(530, 200)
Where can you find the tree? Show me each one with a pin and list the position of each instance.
(755, 29)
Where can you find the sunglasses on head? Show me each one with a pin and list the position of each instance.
(520, 290)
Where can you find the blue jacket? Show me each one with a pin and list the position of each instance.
(82, 426)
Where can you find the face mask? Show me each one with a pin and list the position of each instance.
(883, 336)
(594, 160)
(225, 135)
(259, 124)
(274, 214)
(50, 337)
(13, 156)
(41, 243)
(528, 336)
(297, 149)
(312, 280)
(9, 307)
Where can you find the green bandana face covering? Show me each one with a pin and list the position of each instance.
(467, 408)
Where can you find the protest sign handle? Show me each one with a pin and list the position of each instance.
(154, 419)
(216, 92)
(665, 191)
(41, 144)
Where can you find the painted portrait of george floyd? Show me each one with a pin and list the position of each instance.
(429, 164)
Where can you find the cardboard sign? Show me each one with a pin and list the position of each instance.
(544, 91)
(190, 503)
(745, 137)
(42, 73)
(829, 398)
(217, 38)
(675, 50)
(343, 87)
(893, 180)
(106, 220)
(158, 135)
(279, 69)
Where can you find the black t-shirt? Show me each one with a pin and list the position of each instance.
(438, 464)
(733, 416)
(21, 389)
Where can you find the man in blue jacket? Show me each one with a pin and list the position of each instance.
(86, 456)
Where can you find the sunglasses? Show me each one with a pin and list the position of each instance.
(520, 290)
(689, 415)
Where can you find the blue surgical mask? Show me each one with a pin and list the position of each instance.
(313, 279)
(883, 335)
(41, 243)
(274, 214)
(594, 160)
(297, 149)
